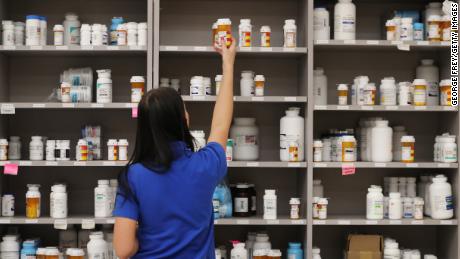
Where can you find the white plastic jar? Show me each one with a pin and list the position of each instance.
(71, 29)
(381, 139)
(197, 86)
(317, 151)
(33, 30)
(430, 73)
(43, 31)
(132, 33)
(247, 84)
(19, 28)
(441, 199)
(407, 29)
(418, 208)
(58, 30)
(122, 35)
(345, 20)
(96, 35)
(245, 133)
(262, 242)
(404, 93)
(97, 247)
(270, 205)
(123, 149)
(322, 208)
(102, 199)
(374, 208)
(8, 33)
(320, 86)
(295, 208)
(395, 208)
(104, 86)
(408, 207)
(142, 34)
(290, 34)
(369, 94)
(292, 135)
(448, 149)
(8, 205)
(50, 150)
(199, 139)
(3, 149)
(10, 247)
(388, 91)
(245, 33)
(58, 201)
(85, 35)
(36, 148)
(321, 27)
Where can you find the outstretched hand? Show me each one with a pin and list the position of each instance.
(227, 53)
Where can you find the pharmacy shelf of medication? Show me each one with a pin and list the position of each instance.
(384, 165)
(383, 44)
(88, 221)
(6, 107)
(99, 163)
(71, 49)
(386, 108)
(267, 99)
(266, 51)
(361, 220)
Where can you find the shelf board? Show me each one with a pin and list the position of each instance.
(200, 50)
(71, 50)
(385, 165)
(84, 219)
(261, 99)
(260, 221)
(360, 220)
(379, 44)
(99, 163)
(46, 105)
(386, 108)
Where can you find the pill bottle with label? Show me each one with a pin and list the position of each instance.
(408, 207)
(122, 34)
(342, 92)
(420, 92)
(104, 86)
(58, 201)
(369, 94)
(348, 149)
(247, 84)
(445, 88)
(388, 92)
(270, 205)
(446, 28)
(123, 149)
(407, 149)
(317, 151)
(241, 201)
(224, 31)
(137, 88)
(290, 34)
(395, 208)
(85, 35)
(345, 20)
(58, 30)
(418, 208)
(265, 36)
(3, 149)
(295, 208)
(102, 199)
(36, 148)
(97, 247)
(245, 31)
(75, 253)
(71, 29)
(33, 30)
(434, 28)
(19, 28)
(82, 150)
(33, 201)
(132, 33)
(322, 208)
(260, 85)
(112, 152)
(8, 33)
(8, 205)
(245, 134)
(404, 94)
(407, 29)
(214, 35)
(391, 30)
(375, 202)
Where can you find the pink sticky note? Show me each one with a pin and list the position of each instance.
(134, 112)
(348, 169)
(11, 169)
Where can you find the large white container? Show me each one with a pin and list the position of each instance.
(292, 129)
(247, 84)
(71, 29)
(320, 86)
(10, 247)
(102, 199)
(382, 136)
(374, 203)
(97, 247)
(428, 71)
(321, 27)
(388, 91)
(441, 198)
(433, 8)
(345, 20)
(245, 133)
(58, 202)
(33, 30)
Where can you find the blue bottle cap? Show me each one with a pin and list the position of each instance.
(418, 26)
(295, 244)
(42, 18)
(32, 16)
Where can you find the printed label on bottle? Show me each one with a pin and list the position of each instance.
(136, 94)
(345, 24)
(245, 39)
(242, 205)
(290, 39)
(433, 31)
(247, 140)
(74, 35)
(407, 153)
(265, 39)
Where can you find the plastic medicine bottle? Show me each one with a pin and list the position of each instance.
(33, 201)
(295, 208)
(316, 253)
(441, 198)
(290, 33)
(247, 84)
(388, 91)
(265, 36)
(224, 31)
(137, 88)
(342, 92)
(33, 30)
(245, 31)
(239, 251)
(97, 247)
(58, 30)
(3, 149)
(7, 205)
(374, 208)
(104, 86)
(71, 29)
(58, 202)
(259, 85)
(420, 92)
(395, 208)
(381, 140)
(123, 149)
(295, 251)
(102, 194)
(321, 27)
(434, 28)
(407, 149)
(142, 34)
(270, 205)
(8, 33)
(428, 71)
(245, 134)
(345, 20)
(320, 86)
(36, 148)
(445, 92)
(132, 33)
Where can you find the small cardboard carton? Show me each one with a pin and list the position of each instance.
(364, 247)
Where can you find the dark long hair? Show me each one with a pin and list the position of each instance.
(161, 120)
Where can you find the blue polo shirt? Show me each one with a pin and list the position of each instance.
(174, 209)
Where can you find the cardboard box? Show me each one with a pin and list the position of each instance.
(364, 247)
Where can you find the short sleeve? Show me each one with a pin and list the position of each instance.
(215, 160)
(126, 207)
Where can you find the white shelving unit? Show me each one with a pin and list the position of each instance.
(179, 47)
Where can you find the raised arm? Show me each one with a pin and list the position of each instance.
(223, 109)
